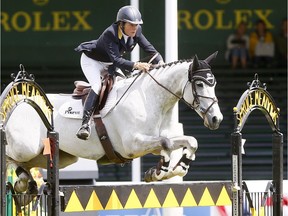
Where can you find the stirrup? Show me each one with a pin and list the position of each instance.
(84, 132)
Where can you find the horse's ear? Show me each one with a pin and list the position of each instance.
(195, 65)
(211, 57)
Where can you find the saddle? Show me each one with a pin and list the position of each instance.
(80, 92)
(82, 89)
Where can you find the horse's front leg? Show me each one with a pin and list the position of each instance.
(190, 146)
(166, 170)
(161, 171)
(143, 144)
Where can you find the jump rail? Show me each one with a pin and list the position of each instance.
(113, 196)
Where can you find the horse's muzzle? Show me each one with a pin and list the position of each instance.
(213, 123)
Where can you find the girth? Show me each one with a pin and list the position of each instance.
(80, 92)
(112, 156)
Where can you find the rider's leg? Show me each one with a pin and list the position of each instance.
(91, 69)
(89, 107)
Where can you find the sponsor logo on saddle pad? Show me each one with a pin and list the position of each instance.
(72, 109)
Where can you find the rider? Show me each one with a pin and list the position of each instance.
(106, 52)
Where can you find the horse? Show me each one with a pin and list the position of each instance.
(138, 116)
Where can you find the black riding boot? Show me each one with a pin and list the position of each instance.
(89, 107)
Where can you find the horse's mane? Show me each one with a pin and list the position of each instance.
(172, 63)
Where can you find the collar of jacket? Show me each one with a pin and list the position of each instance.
(120, 34)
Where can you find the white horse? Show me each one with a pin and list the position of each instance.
(138, 122)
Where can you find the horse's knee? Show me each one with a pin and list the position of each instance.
(193, 143)
(166, 143)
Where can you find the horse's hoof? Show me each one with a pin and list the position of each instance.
(32, 188)
(148, 175)
(20, 186)
(179, 171)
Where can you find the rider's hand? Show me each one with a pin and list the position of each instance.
(142, 66)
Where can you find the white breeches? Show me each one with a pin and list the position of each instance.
(93, 71)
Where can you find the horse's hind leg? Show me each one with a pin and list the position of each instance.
(25, 183)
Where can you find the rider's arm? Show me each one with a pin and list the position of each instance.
(112, 49)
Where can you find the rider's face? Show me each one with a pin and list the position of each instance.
(130, 29)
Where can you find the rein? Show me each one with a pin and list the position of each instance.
(125, 92)
(164, 87)
(153, 57)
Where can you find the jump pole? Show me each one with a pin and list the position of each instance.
(135, 56)
(3, 171)
(171, 54)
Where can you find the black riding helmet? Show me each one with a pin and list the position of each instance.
(129, 14)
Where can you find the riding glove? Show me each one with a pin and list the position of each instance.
(143, 66)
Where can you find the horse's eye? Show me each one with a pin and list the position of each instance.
(200, 84)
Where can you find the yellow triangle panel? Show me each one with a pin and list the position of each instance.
(94, 203)
(224, 198)
(74, 204)
(170, 200)
(133, 201)
(206, 199)
(188, 199)
(152, 200)
(113, 202)
(262, 211)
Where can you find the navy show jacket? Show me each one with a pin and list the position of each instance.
(110, 47)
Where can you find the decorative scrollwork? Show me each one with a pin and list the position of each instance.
(22, 75)
(256, 83)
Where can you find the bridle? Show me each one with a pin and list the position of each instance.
(207, 77)
(192, 78)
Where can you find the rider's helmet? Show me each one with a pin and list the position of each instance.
(129, 14)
